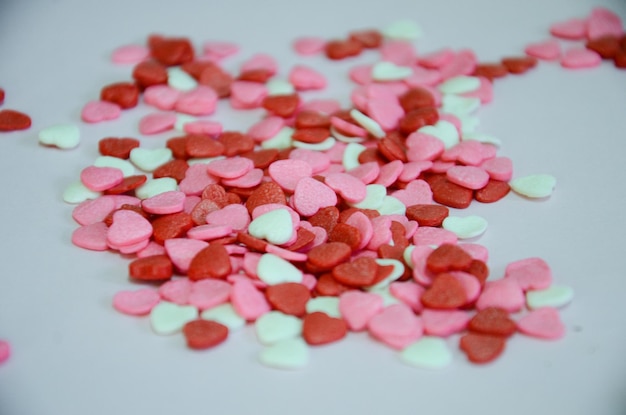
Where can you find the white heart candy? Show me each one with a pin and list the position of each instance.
(458, 105)
(275, 326)
(459, 85)
(328, 305)
(281, 141)
(78, 193)
(374, 198)
(169, 318)
(180, 80)
(279, 87)
(155, 187)
(272, 270)
(428, 352)
(224, 314)
(64, 136)
(108, 161)
(467, 227)
(182, 119)
(389, 71)
(444, 131)
(534, 186)
(150, 159)
(323, 146)
(391, 206)
(351, 153)
(286, 354)
(368, 123)
(275, 226)
(555, 296)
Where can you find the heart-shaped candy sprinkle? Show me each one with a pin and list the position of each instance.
(11, 120)
(578, 57)
(319, 328)
(272, 270)
(494, 321)
(157, 123)
(63, 136)
(428, 352)
(547, 50)
(311, 195)
(396, 326)
(286, 354)
(466, 227)
(169, 318)
(445, 131)
(224, 314)
(92, 236)
(572, 29)
(530, 273)
(482, 348)
(203, 334)
(128, 228)
(136, 303)
(101, 178)
(275, 226)
(97, 111)
(388, 71)
(249, 302)
(275, 326)
(555, 296)
(504, 293)
(544, 323)
(149, 159)
(358, 307)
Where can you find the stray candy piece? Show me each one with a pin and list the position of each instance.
(534, 186)
(428, 352)
(467, 227)
(286, 354)
(136, 303)
(544, 323)
(275, 326)
(482, 348)
(203, 334)
(11, 120)
(580, 57)
(130, 54)
(5, 351)
(168, 318)
(63, 136)
(555, 296)
(319, 328)
(493, 320)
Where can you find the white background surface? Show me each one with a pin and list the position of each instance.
(73, 354)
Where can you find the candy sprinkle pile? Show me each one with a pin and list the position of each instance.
(320, 220)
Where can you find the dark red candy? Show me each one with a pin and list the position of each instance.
(319, 328)
(448, 257)
(493, 320)
(203, 334)
(172, 51)
(341, 49)
(211, 262)
(369, 39)
(492, 192)
(281, 105)
(445, 293)
(289, 298)
(606, 46)
(482, 348)
(451, 194)
(11, 120)
(171, 226)
(129, 183)
(416, 98)
(151, 268)
(175, 169)
(117, 147)
(149, 73)
(519, 65)
(124, 94)
(427, 215)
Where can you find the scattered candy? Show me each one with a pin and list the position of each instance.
(5, 351)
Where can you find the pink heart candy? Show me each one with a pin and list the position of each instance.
(604, 22)
(287, 173)
(130, 54)
(572, 29)
(209, 293)
(97, 111)
(444, 323)
(399, 52)
(389, 173)
(164, 203)
(409, 293)
(361, 74)
(317, 160)
(92, 236)
(366, 172)
(247, 94)
(419, 255)
(427, 235)
(437, 58)
(306, 46)
(262, 62)
(311, 195)
(93, 210)
(176, 291)
(422, 77)
(347, 186)
(503, 293)
(163, 97)
(547, 50)
(266, 128)
(248, 301)
(470, 284)
(202, 100)
(463, 63)
(413, 169)
(230, 168)
(530, 273)
(247, 181)
(196, 179)
(212, 128)
(357, 308)
(499, 168)
(470, 177)
(99, 179)
(182, 250)
(386, 112)
(469, 153)
(396, 326)
(484, 91)
(235, 215)
(157, 123)
(220, 50)
(423, 147)
(304, 78)
(544, 323)
(136, 303)
(363, 224)
(5, 351)
(416, 192)
(128, 228)
(579, 57)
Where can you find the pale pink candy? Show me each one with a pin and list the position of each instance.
(484, 91)
(157, 123)
(121, 200)
(463, 63)
(233, 278)
(136, 303)
(209, 232)
(476, 251)
(400, 52)
(436, 59)
(266, 128)
(306, 46)
(321, 235)
(499, 168)
(381, 232)
(347, 128)
(417, 192)
(247, 94)
(357, 308)
(304, 78)
(131, 249)
(350, 188)
(580, 57)
(470, 284)
(93, 210)
(363, 224)
(219, 50)
(468, 152)
(604, 22)
(409, 293)
(209, 293)
(389, 173)
(196, 179)
(236, 250)
(470, 177)
(92, 236)
(529, 273)
(386, 112)
(248, 301)
(182, 250)
(151, 249)
(410, 228)
(5, 351)
(190, 203)
(413, 169)
(96, 111)
(488, 151)
(201, 100)
(162, 97)
(309, 281)
(177, 291)
(423, 147)
(234, 215)
(128, 228)
(325, 106)
(130, 54)
(317, 160)
(262, 62)
(441, 166)
(286, 254)
(397, 326)
(444, 323)
(421, 274)
(427, 235)
(359, 98)
(230, 168)
(544, 323)
(248, 180)
(361, 74)
(212, 128)
(251, 263)
(164, 203)
(548, 50)
(503, 293)
(287, 173)
(422, 77)
(572, 29)
(311, 195)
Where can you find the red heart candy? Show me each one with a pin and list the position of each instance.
(482, 348)
(289, 298)
(445, 293)
(493, 320)
(202, 334)
(319, 328)
(448, 257)
(11, 120)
